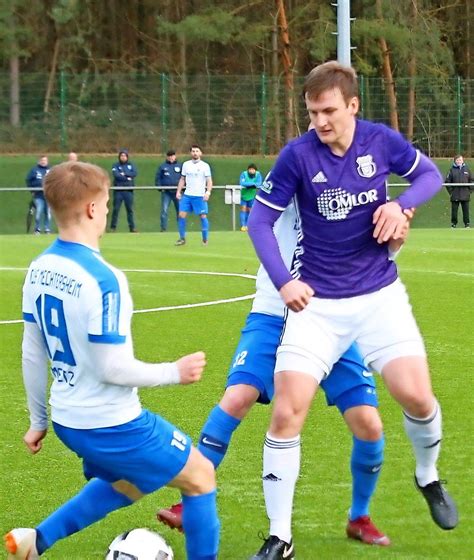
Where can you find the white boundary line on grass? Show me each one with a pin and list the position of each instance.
(209, 273)
(156, 271)
(449, 272)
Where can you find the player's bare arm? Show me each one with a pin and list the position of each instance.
(296, 294)
(209, 186)
(180, 188)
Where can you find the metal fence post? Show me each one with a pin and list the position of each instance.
(264, 114)
(459, 111)
(164, 112)
(62, 112)
(362, 94)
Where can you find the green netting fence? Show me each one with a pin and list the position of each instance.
(225, 114)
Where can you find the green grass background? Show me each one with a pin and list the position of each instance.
(226, 171)
(436, 265)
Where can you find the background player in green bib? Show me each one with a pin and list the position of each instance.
(250, 180)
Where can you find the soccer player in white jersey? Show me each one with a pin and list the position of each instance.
(343, 288)
(77, 311)
(250, 379)
(196, 178)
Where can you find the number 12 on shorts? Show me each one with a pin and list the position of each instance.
(240, 358)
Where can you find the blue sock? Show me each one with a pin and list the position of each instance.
(93, 502)
(201, 526)
(182, 227)
(243, 218)
(216, 434)
(205, 228)
(366, 462)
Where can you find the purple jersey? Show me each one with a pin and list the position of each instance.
(336, 197)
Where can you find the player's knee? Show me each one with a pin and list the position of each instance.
(370, 427)
(364, 422)
(419, 405)
(205, 477)
(197, 477)
(238, 400)
(287, 417)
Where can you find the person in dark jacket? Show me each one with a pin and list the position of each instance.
(460, 194)
(34, 181)
(124, 173)
(168, 175)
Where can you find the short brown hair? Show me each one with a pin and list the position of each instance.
(331, 75)
(72, 182)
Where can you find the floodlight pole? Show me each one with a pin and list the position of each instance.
(343, 31)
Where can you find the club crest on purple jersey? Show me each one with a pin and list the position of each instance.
(366, 166)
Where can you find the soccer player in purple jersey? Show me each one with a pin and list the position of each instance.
(342, 287)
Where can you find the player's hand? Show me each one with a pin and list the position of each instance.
(178, 196)
(34, 440)
(206, 196)
(296, 294)
(191, 367)
(389, 221)
(394, 245)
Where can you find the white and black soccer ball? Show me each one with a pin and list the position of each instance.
(139, 544)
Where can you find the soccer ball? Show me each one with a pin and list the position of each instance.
(139, 544)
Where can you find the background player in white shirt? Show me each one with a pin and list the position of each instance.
(77, 311)
(197, 179)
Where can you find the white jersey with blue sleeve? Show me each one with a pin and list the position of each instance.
(77, 300)
(267, 300)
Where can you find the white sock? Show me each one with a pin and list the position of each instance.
(281, 467)
(425, 435)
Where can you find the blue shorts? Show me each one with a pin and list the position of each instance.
(253, 364)
(148, 452)
(195, 204)
(247, 203)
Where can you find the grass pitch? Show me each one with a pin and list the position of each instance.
(438, 268)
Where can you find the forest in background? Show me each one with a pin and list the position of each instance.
(412, 50)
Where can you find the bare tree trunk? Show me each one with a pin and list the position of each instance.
(276, 88)
(208, 98)
(469, 72)
(287, 70)
(411, 78)
(52, 75)
(469, 69)
(387, 72)
(14, 90)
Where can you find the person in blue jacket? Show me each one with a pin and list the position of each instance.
(34, 180)
(168, 174)
(124, 173)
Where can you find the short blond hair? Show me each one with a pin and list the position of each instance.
(331, 75)
(70, 183)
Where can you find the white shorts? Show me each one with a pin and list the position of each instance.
(381, 323)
